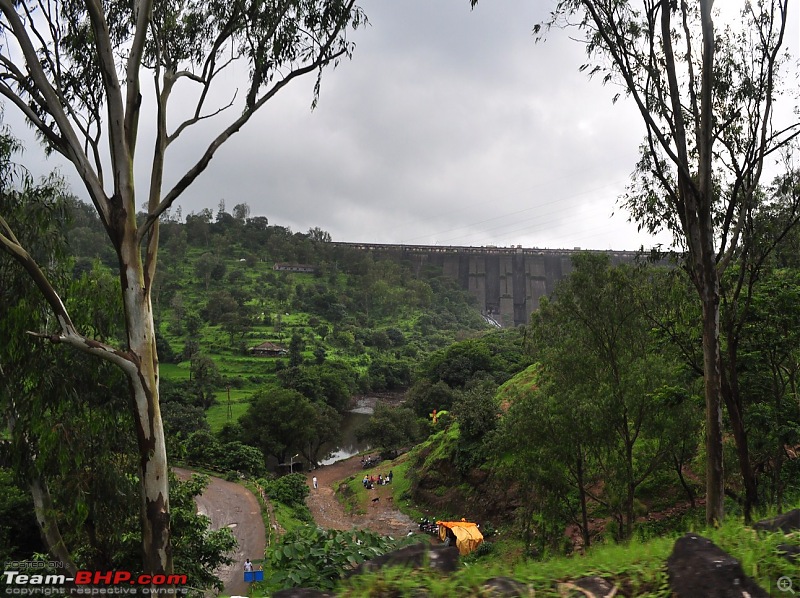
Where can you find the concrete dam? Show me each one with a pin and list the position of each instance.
(507, 282)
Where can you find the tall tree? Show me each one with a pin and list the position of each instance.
(598, 356)
(706, 98)
(74, 69)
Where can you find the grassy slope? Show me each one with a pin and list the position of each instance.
(638, 568)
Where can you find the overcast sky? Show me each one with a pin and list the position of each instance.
(449, 127)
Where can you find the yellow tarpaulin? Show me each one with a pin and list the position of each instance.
(467, 535)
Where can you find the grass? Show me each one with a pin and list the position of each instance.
(174, 371)
(286, 517)
(217, 415)
(637, 568)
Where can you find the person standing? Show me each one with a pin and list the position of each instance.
(248, 566)
(314, 481)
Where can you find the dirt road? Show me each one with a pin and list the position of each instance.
(380, 516)
(233, 506)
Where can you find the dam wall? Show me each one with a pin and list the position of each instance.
(507, 282)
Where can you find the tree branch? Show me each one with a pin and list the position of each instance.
(233, 128)
(72, 146)
(69, 333)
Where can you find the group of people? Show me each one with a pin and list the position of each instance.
(369, 481)
(369, 460)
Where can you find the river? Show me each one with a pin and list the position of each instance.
(348, 445)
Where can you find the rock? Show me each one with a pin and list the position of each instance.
(790, 552)
(419, 556)
(302, 593)
(505, 587)
(588, 587)
(786, 523)
(698, 567)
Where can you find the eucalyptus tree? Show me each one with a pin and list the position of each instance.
(707, 99)
(75, 70)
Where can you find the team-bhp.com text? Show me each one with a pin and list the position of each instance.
(92, 582)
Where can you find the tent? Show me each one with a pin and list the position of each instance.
(467, 535)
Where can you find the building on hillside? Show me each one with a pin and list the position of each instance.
(304, 268)
(268, 350)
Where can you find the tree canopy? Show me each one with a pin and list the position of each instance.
(707, 99)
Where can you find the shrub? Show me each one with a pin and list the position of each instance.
(318, 558)
(290, 489)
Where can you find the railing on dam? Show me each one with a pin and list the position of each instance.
(483, 249)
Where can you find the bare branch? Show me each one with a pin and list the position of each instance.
(118, 140)
(197, 118)
(72, 146)
(133, 100)
(233, 128)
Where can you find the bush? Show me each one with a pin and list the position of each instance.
(202, 448)
(290, 490)
(318, 558)
(243, 458)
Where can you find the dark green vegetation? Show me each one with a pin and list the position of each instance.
(582, 428)
(707, 94)
(352, 326)
(603, 432)
(597, 448)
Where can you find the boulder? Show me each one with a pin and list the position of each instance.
(418, 556)
(505, 587)
(698, 567)
(786, 523)
(790, 552)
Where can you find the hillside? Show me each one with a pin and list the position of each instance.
(228, 283)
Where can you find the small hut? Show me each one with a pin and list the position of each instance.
(268, 350)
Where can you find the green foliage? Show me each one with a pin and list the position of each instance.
(493, 357)
(426, 396)
(332, 383)
(181, 420)
(389, 373)
(459, 363)
(204, 449)
(390, 428)
(477, 413)
(291, 489)
(278, 421)
(19, 533)
(318, 558)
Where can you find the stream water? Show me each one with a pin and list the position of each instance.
(348, 445)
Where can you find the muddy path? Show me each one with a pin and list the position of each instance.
(381, 516)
